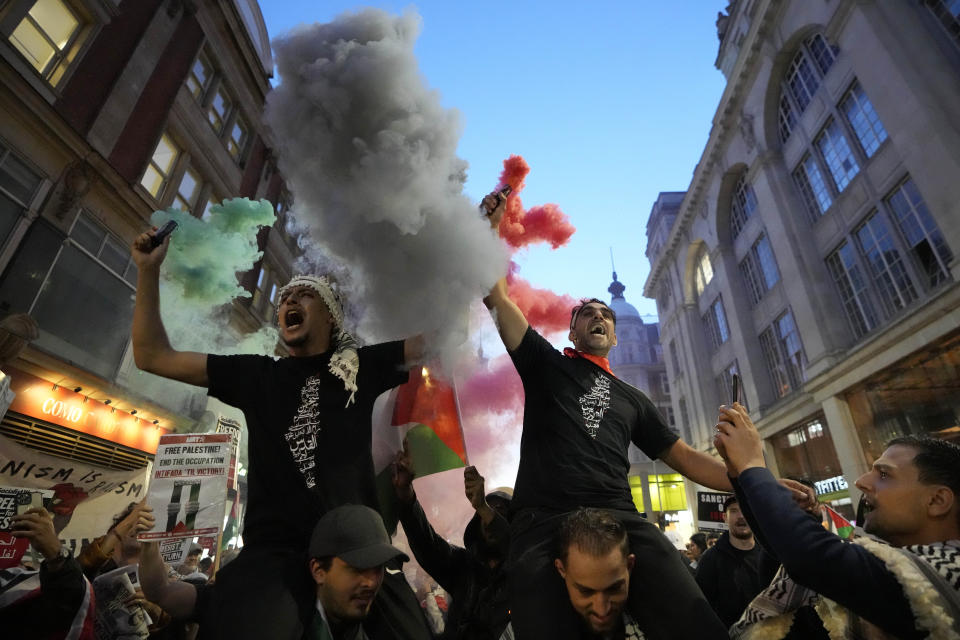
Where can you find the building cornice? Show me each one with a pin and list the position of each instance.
(725, 123)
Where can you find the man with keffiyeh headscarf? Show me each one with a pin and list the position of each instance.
(309, 422)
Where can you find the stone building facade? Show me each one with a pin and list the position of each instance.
(815, 252)
(113, 109)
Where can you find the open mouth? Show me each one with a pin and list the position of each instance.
(598, 330)
(293, 319)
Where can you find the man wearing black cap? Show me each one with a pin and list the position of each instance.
(348, 551)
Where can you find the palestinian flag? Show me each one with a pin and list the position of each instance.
(843, 527)
(425, 412)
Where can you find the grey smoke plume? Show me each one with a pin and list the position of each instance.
(370, 156)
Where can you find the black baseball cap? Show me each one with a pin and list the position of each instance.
(355, 534)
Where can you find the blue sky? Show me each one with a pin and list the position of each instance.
(609, 102)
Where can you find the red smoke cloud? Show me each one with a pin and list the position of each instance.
(542, 223)
(545, 310)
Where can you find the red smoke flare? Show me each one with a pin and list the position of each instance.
(542, 223)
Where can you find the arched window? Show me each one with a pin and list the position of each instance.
(742, 205)
(808, 67)
(703, 270)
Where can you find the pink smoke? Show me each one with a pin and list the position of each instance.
(542, 223)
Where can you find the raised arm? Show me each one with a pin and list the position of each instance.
(506, 314)
(173, 596)
(151, 347)
(697, 465)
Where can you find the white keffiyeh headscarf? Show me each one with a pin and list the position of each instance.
(344, 363)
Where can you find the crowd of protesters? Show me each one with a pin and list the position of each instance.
(564, 555)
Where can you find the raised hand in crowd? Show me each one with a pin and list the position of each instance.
(144, 254)
(473, 487)
(402, 474)
(37, 526)
(741, 447)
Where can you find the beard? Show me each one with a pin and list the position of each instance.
(295, 342)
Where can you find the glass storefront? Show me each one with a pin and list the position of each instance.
(805, 451)
(916, 396)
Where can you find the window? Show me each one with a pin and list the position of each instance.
(948, 14)
(783, 354)
(238, 138)
(801, 81)
(715, 324)
(160, 168)
(668, 414)
(265, 294)
(812, 187)
(188, 192)
(852, 286)
(212, 200)
(674, 358)
(883, 259)
(46, 35)
(742, 206)
(927, 246)
(664, 383)
(759, 269)
(52, 279)
(210, 89)
(837, 154)
(201, 73)
(18, 184)
(219, 109)
(863, 119)
(704, 270)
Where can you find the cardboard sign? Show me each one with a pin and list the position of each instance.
(710, 511)
(188, 490)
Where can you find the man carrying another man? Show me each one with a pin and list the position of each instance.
(309, 422)
(578, 423)
(349, 550)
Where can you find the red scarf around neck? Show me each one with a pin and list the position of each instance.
(600, 361)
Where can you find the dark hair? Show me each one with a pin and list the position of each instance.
(938, 461)
(713, 535)
(731, 499)
(699, 539)
(194, 552)
(584, 302)
(593, 531)
(205, 563)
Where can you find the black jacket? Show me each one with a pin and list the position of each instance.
(730, 578)
(479, 609)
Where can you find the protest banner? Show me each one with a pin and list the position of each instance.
(188, 490)
(14, 501)
(85, 496)
(710, 511)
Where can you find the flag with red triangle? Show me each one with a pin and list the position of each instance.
(425, 412)
(842, 526)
